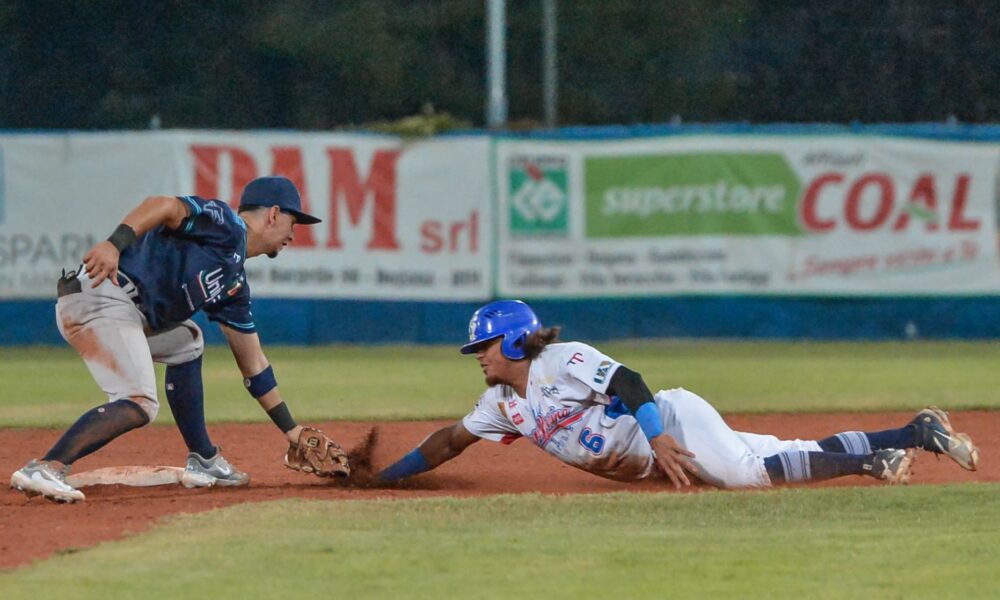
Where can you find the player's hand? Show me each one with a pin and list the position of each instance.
(101, 263)
(672, 459)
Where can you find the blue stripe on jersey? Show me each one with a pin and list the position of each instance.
(248, 326)
(195, 211)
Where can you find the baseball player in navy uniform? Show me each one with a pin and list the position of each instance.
(130, 306)
(591, 412)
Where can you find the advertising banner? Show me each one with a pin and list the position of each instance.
(401, 220)
(823, 215)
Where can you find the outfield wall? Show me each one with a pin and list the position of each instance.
(880, 232)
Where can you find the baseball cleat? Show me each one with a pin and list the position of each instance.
(40, 479)
(933, 432)
(209, 472)
(891, 465)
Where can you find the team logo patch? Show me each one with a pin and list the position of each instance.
(602, 371)
(550, 391)
(473, 325)
(576, 359)
(214, 211)
(517, 418)
(235, 288)
(211, 284)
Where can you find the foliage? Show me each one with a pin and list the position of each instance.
(425, 124)
(321, 65)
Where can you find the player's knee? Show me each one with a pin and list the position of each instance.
(150, 406)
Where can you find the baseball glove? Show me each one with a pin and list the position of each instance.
(317, 454)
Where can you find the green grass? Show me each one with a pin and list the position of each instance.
(879, 542)
(51, 386)
(905, 542)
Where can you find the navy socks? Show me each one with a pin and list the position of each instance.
(186, 397)
(812, 466)
(866, 442)
(95, 429)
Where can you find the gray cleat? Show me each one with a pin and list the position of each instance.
(41, 478)
(208, 472)
(933, 432)
(891, 465)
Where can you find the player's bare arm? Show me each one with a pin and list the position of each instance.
(251, 361)
(439, 447)
(101, 261)
(309, 449)
(446, 443)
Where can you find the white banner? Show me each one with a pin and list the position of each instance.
(824, 215)
(806, 215)
(401, 220)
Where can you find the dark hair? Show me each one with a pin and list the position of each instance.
(537, 341)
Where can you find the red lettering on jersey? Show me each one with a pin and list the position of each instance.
(517, 418)
(346, 186)
(576, 359)
(509, 438)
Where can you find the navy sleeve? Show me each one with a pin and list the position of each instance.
(233, 308)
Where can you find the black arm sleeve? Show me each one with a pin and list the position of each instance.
(630, 388)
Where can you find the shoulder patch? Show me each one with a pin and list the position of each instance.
(602, 371)
(213, 210)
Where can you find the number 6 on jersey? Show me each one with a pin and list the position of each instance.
(594, 442)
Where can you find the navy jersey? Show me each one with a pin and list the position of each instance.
(198, 266)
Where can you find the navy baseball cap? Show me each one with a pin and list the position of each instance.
(276, 191)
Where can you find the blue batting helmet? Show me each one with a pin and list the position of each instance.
(512, 320)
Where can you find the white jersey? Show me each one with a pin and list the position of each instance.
(568, 414)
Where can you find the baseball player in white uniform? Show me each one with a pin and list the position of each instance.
(591, 412)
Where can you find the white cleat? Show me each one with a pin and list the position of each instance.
(934, 433)
(40, 478)
(210, 472)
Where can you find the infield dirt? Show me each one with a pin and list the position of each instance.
(34, 528)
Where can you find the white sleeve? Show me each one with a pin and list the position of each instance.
(588, 365)
(488, 420)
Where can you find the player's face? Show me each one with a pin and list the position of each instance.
(280, 233)
(495, 366)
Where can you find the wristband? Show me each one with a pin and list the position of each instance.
(649, 420)
(261, 383)
(282, 418)
(408, 466)
(123, 237)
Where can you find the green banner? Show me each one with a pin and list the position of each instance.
(738, 193)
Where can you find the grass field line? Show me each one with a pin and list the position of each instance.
(50, 386)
